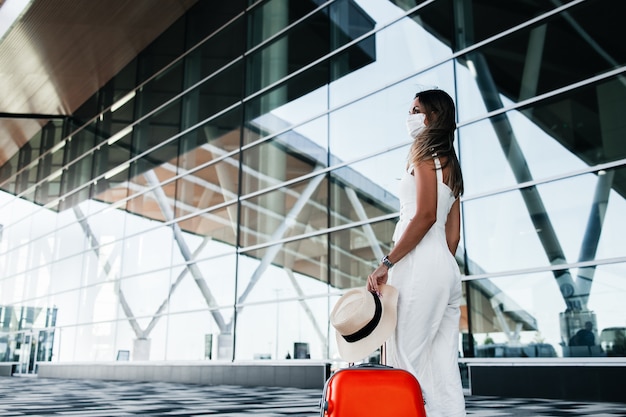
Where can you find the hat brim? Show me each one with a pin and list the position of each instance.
(355, 351)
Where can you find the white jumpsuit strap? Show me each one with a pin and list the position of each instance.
(438, 168)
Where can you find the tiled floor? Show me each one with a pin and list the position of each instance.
(54, 397)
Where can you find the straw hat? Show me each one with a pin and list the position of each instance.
(363, 321)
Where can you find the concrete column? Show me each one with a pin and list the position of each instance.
(141, 349)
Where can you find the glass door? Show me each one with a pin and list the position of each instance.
(26, 352)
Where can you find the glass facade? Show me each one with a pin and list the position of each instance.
(215, 197)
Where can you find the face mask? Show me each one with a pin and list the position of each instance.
(415, 123)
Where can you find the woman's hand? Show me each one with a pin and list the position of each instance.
(379, 276)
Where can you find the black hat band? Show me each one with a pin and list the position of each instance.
(369, 327)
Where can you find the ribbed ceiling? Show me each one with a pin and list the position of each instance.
(60, 52)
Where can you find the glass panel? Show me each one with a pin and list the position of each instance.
(576, 219)
(204, 18)
(257, 109)
(219, 50)
(100, 307)
(284, 158)
(160, 89)
(210, 186)
(96, 270)
(378, 121)
(533, 61)
(585, 122)
(67, 343)
(214, 95)
(205, 283)
(28, 159)
(146, 208)
(71, 269)
(363, 190)
(217, 132)
(153, 134)
(49, 191)
(212, 139)
(149, 251)
(353, 255)
(12, 287)
(220, 225)
(322, 32)
(207, 183)
(37, 283)
(483, 161)
(287, 114)
(272, 16)
(16, 221)
(283, 330)
(286, 212)
(194, 336)
(28, 165)
(291, 267)
(51, 162)
(516, 316)
(477, 20)
(526, 316)
(145, 297)
(156, 132)
(351, 60)
(566, 133)
(124, 339)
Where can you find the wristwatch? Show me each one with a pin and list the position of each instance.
(386, 262)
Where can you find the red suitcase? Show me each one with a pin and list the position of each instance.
(372, 390)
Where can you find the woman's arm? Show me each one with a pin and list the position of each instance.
(453, 227)
(420, 224)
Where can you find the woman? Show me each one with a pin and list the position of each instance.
(421, 264)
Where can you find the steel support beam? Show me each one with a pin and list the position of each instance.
(278, 234)
(517, 162)
(589, 245)
(179, 238)
(106, 266)
(367, 228)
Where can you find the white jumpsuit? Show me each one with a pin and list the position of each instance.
(428, 280)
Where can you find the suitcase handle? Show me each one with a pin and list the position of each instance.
(371, 366)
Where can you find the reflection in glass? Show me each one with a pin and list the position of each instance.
(270, 17)
(363, 190)
(298, 267)
(218, 224)
(195, 337)
(287, 157)
(219, 50)
(520, 316)
(322, 32)
(284, 117)
(283, 329)
(355, 252)
(568, 132)
(570, 220)
(285, 212)
(256, 190)
(213, 185)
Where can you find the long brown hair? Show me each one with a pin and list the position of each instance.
(438, 136)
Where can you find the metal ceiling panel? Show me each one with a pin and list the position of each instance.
(60, 52)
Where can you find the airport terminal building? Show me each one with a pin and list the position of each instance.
(192, 184)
